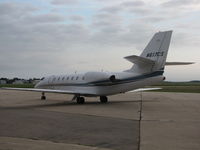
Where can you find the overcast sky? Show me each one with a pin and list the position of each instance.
(44, 37)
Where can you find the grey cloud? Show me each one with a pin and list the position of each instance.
(185, 39)
(35, 37)
(41, 37)
(110, 1)
(141, 11)
(153, 19)
(111, 18)
(44, 18)
(35, 48)
(123, 6)
(137, 34)
(112, 9)
(137, 7)
(29, 64)
(64, 2)
(76, 18)
(33, 44)
(105, 16)
(178, 3)
(136, 3)
(108, 23)
(53, 40)
(111, 30)
(15, 9)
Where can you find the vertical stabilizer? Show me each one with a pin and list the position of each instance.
(156, 51)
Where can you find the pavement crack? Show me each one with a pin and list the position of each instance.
(140, 119)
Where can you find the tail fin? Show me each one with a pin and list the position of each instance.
(155, 52)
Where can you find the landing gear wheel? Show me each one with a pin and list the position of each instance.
(80, 100)
(43, 97)
(103, 99)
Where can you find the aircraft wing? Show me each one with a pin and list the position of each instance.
(144, 89)
(40, 90)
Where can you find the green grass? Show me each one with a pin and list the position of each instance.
(27, 85)
(178, 84)
(184, 87)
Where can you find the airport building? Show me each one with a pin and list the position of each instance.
(3, 82)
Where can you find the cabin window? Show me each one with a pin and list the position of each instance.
(58, 78)
(63, 78)
(77, 78)
(83, 78)
(67, 78)
(72, 78)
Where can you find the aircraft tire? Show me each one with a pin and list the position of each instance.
(80, 100)
(103, 99)
(43, 97)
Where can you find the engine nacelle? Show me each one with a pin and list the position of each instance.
(112, 78)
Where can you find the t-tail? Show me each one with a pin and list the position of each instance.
(153, 58)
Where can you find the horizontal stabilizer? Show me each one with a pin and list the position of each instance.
(139, 60)
(178, 63)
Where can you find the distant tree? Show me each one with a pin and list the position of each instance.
(6, 79)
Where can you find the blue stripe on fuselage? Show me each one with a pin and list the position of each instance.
(126, 80)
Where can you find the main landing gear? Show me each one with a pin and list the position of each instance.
(80, 100)
(103, 99)
(43, 97)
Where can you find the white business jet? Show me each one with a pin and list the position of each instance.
(148, 69)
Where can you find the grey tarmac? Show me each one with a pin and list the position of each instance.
(145, 121)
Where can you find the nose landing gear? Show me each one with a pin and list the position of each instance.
(43, 97)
